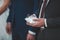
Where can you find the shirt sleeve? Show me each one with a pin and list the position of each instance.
(31, 32)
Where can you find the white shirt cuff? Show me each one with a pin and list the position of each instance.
(45, 23)
(32, 33)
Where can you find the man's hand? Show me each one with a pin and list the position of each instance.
(8, 28)
(30, 37)
(39, 23)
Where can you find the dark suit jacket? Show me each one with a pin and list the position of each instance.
(18, 11)
(52, 14)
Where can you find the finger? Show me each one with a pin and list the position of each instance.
(29, 23)
(32, 38)
(35, 25)
(28, 38)
(35, 19)
(32, 24)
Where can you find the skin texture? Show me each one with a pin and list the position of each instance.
(4, 6)
(30, 37)
(39, 23)
(8, 28)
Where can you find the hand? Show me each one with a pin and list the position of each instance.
(39, 23)
(8, 28)
(30, 37)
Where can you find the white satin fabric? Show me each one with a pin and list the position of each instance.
(3, 18)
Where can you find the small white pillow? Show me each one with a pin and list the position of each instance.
(30, 18)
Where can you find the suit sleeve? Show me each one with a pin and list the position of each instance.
(36, 9)
(53, 22)
(11, 14)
